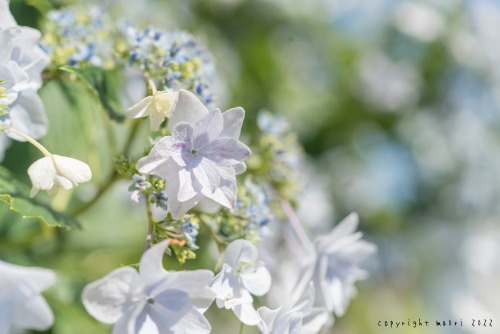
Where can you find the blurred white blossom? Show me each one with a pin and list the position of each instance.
(21, 64)
(334, 266)
(152, 300)
(241, 276)
(21, 304)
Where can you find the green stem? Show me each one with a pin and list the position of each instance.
(32, 141)
(112, 179)
(220, 245)
(150, 222)
(131, 137)
(242, 326)
(114, 176)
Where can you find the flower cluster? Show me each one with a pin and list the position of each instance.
(77, 35)
(174, 59)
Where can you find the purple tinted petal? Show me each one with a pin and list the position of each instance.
(233, 119)
(207, 174)
(187, 108)
(226, 151)
(207, 129)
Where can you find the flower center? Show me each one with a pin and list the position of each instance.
(193, 151)
(150, 300)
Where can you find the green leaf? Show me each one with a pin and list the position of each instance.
(16, 194)
(95, 78)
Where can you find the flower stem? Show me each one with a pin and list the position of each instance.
(150, 222)
(295, 223)
(220, 244)
(242, 326)
(114, 177)
(32, 141)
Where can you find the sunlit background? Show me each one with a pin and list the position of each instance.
(397, 105)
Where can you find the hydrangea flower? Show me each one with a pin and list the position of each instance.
(21, 304)
(157, 107)
(174, 59)
(302, 318)
(241, 276)
(54, 171)
(80, 35)
(201, 158)
(21, 64)
(152, 300)
(138, 187)
(335, 265)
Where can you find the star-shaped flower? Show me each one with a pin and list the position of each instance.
(54, 171)
(21, 304)
(241, 276)
(157, 107)
(302, 318)
(201, 158)
(335, 265)
(153, 300)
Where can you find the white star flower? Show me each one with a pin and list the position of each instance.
(201, 158)
(153, 300)
(21, 64)
(334, 267)
(302, 318)
(54, 171)
(157, 107)
(240, 277)
(21, 304)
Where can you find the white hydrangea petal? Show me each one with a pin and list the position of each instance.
(187, 108)
(289, 323)
(187, 281)
(207, 129)
(42, 173)
(208, 205)
(240, 168)
(28, 116)
(164, 101)
(240, 251)
(156, 162)
(126, 324)
(223, 283)
(192, 322)
(225, 194)
(39, 279)
(207, 174)
(4, 307)
(247, 314)
(64, 182)
(21, 78)
(141, 109)
(313, 321)
(233, 120)
(145, 324)
(6, 18)
(226, 151)
(186, 186)
(151, 264)
(183, 132)
(155, 120)
(7, 37)
(74, 170)
(267, 318)
(110, 297)
(257, 282)
(33, 313)
(177, 209)
(203, 298)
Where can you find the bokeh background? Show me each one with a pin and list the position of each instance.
(397, 105)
